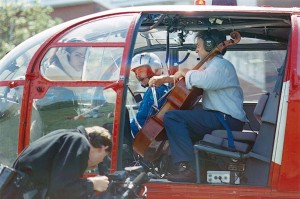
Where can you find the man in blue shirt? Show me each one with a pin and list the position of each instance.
(145, 66)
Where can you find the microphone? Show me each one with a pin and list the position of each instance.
(140, 179)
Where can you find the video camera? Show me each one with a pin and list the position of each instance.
(126, 184)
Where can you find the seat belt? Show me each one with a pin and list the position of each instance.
(229, 132)
(133, 115)
(155, 104)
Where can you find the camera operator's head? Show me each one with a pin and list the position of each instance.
(101, 144)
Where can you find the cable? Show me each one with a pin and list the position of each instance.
(185, 58)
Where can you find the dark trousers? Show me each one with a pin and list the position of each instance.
(183, 127)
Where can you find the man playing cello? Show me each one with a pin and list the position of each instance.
(222, 95)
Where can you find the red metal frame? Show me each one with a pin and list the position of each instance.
(287, 180)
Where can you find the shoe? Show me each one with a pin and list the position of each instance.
(185, 173)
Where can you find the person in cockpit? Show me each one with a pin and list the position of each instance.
(66, 63)
(145, 66)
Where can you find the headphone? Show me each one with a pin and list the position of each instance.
(209, 42)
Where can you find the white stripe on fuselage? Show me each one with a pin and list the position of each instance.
(281, 124)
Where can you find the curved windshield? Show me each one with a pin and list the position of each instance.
(13, 65)
(109, 29)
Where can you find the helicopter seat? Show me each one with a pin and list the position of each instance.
(214, 147)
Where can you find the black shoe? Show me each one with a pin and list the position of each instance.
(185, 173)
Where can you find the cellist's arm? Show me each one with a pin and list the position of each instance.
(181, 73)
(159, 80)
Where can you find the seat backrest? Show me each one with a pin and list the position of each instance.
(265, 138)
(258, 164)
(260, 106)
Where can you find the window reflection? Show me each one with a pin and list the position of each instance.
(10, 107)
(82, 63)
(65, 107)
(257, 70)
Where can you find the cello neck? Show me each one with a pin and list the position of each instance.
(205, 59)
(235, 38)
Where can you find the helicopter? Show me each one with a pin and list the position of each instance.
(34, 102)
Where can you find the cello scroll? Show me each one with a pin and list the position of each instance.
(235, 38)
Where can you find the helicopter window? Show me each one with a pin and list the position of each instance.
(10, 100)
(110, 29)
(82, 63)
(14, 64)
(16, 69)
(104, 63)
(70, 107)
(257, 70)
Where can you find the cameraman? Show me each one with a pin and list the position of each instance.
(54, 164)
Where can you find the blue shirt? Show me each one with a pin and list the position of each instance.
(144, 110)
(222, 91)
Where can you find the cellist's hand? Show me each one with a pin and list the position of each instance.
(157, 81)
(180, 74)
(177, 76)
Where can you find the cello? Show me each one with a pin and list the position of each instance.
(151, 140)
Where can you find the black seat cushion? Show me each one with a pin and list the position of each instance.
(218, 141)
(248, 136)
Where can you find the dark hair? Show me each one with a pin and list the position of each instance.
(211, 39)
(75, 39)
(99, 136)
(53, 59)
